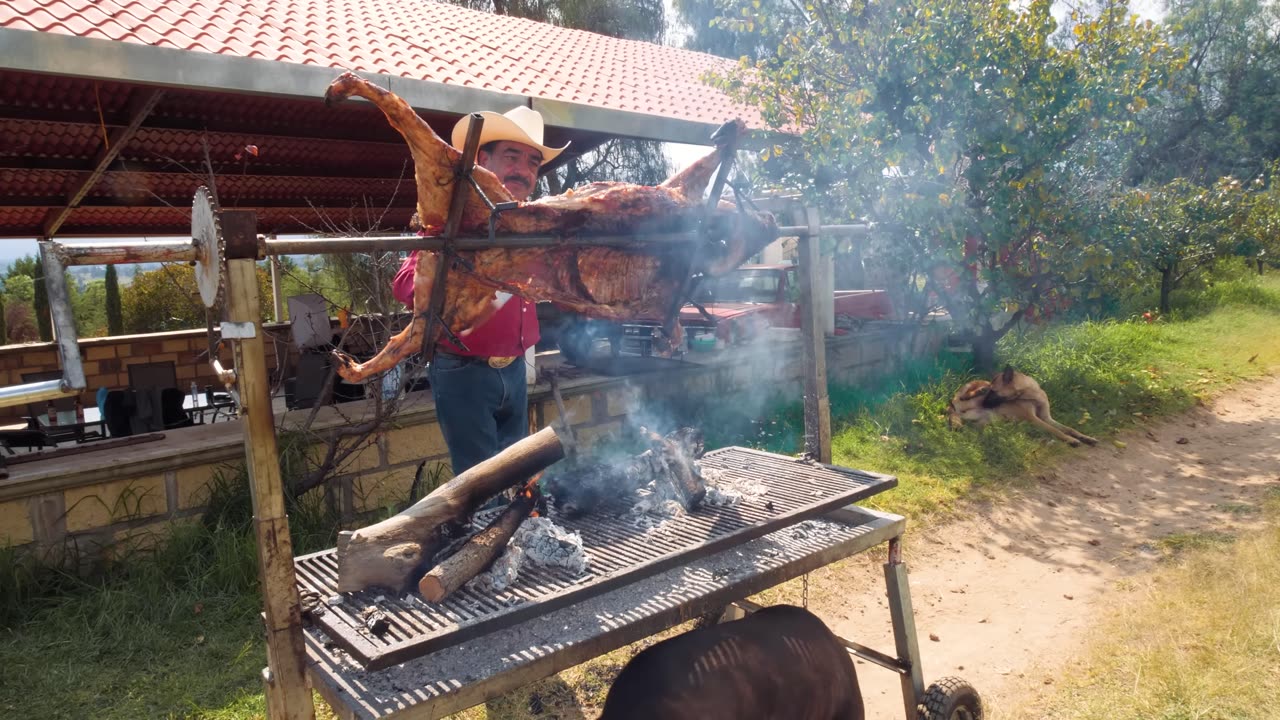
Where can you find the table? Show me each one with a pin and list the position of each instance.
(68, 428)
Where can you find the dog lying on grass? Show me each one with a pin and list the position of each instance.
(1010, 396)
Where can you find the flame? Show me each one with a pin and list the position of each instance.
(531, 486)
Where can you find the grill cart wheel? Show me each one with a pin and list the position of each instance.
(951, 698)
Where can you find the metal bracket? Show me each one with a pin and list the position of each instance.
(495, 211)
(237, 330)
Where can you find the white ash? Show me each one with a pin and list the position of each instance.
(802, 530)
(550, 545)
(716, 497)
(539, 541)
(652, 511)
(333, 600)
(502, 574)
(726, 492)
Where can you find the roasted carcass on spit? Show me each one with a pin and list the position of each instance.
(609, 283)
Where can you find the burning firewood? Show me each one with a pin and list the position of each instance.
(480, 551)
(671, 460)
(670, 465)
(391, 553)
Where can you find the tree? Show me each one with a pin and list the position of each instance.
(4, 326)
(169, 299)
(638, 161)
(1179, 228)
(17, 318)
(20, 288)
(115, 317)
(44, 321)
(90, 308)
(707, 32)
(1259, 237)
(963, 131)
(1219, 117)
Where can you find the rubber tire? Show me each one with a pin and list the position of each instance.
(951, 698)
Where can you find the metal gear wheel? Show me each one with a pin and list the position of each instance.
(211, 248)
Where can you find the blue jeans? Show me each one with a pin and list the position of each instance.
(481, 410)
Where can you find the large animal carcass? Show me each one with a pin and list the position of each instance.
(605, 281)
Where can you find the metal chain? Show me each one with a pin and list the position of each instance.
(804, 593)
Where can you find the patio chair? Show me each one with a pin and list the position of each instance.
(221, 403)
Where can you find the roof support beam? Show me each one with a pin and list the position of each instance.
(140, 106)
(232, 203)
(168, 168)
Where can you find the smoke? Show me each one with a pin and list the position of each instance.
(741, 404)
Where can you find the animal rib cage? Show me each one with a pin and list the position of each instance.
(620, 552)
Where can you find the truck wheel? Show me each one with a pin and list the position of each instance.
(951, 698)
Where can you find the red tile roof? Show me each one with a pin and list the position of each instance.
(421, 40)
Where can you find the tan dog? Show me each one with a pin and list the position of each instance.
(1011, 396)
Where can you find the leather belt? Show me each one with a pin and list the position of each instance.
(497, 363)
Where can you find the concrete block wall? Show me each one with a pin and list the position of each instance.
(94, 511)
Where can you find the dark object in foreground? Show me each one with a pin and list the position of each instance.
(780, 663)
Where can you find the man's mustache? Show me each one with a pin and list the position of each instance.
(515, 179)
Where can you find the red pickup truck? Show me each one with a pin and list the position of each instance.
(744, 302)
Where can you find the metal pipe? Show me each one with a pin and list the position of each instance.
(855, 230)
(321, 246)
(123, 253)
(64, 321)
(31, 392)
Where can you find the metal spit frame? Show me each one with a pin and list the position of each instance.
(456, 678)
(286, 689)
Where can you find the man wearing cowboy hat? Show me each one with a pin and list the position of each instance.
(480, 393)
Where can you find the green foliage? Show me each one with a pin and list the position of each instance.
(162, 300)
(111, 300)
(20, 287)
(169, 299)
(1220, 118)
(40, 306)
(706, 34)
(974, 142)
(4, 325)
(169, 631)
(1174, 230)
(1102, 377)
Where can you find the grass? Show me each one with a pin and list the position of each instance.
(175, 633)
(1198, 641)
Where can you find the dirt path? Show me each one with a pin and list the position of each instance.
(1010, 591)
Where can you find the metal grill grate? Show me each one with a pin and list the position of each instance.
(620, 552)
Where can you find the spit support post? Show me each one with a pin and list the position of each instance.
(462, 184)
(726, 138)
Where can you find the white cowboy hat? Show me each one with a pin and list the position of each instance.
(519, 124)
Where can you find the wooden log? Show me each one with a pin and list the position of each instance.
(671, 461)
(478, 553)
(393, 552)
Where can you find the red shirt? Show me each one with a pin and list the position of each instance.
(508, 333)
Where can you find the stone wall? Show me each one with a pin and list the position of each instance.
(94, 502)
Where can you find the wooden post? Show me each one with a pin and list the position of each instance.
(288, 696)
(817, 405)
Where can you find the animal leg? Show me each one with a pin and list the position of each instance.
(1066, 429)
(435, 161)
(1052, 429)
(692, 182)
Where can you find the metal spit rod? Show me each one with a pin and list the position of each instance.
(126, 253)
